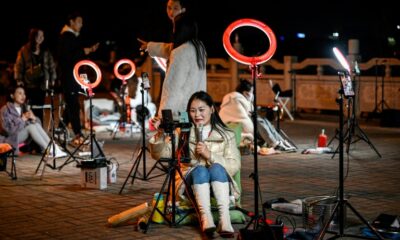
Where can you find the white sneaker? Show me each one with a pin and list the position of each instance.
(60, 153)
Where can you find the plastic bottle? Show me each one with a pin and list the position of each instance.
(157, 217)
(322, 139)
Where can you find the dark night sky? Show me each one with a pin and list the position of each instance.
(123, 22)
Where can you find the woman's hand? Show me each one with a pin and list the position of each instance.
(156, 122)
(143, 45)
(202, 150)
(29, 116)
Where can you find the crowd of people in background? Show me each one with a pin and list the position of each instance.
(214, 156)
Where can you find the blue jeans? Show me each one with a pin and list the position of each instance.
(201, 174)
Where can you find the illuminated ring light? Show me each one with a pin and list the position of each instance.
(128, 75)
(80, 80)
(162, 62)
(244, 59)
(342, 60)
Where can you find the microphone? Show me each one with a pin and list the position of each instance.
(145, 80)
(199, 133)
(26, 107)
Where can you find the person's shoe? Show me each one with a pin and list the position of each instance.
(79, 140)
(281, 147)
(288, 144)
(60, 153)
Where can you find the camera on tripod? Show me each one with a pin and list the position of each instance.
(169, 125)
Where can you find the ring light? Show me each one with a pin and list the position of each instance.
(128, 75)
(342, 60)
(81, 79)
(244, 59)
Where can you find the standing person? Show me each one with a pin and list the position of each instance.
(70, 52)
(17, 124)
(186, 71)
(214, 160)
(162, 49)
(238, 106)
(35, 69)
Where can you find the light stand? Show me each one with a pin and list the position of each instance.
(52, 144)
(341, 202)
(257, 219)
(123, 77)
(100, 158)
(83, 81)
(144, 86)
(353, 128)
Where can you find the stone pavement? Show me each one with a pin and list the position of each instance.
(57, 207)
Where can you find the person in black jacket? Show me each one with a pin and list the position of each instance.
(35, 69)
(70, 52)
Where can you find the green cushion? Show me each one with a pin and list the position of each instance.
(185, 214)
(237, 217)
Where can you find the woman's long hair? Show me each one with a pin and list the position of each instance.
(186, 30)
(216, 122)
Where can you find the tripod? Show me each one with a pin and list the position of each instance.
(100, 157)
(382, 103)
(51, 147)
(173, 168)
(143, 149)
(341, 202)
(353, 132)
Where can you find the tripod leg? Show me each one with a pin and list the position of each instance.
(364, 221)
(137, 162)
(366, 139)
(167, 178)
(163, 168)
(134, 166)
(42, 159)
(334, 137)
(325, 227)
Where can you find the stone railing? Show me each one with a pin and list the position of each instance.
(314, 80)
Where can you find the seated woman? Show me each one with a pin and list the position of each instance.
(17, 124)
(213, 161)
(237, 107)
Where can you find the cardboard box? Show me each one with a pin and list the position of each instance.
(94, 178)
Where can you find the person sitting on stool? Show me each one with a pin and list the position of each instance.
(214, 160)
(17, 123)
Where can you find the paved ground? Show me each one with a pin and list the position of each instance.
(57, 207)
